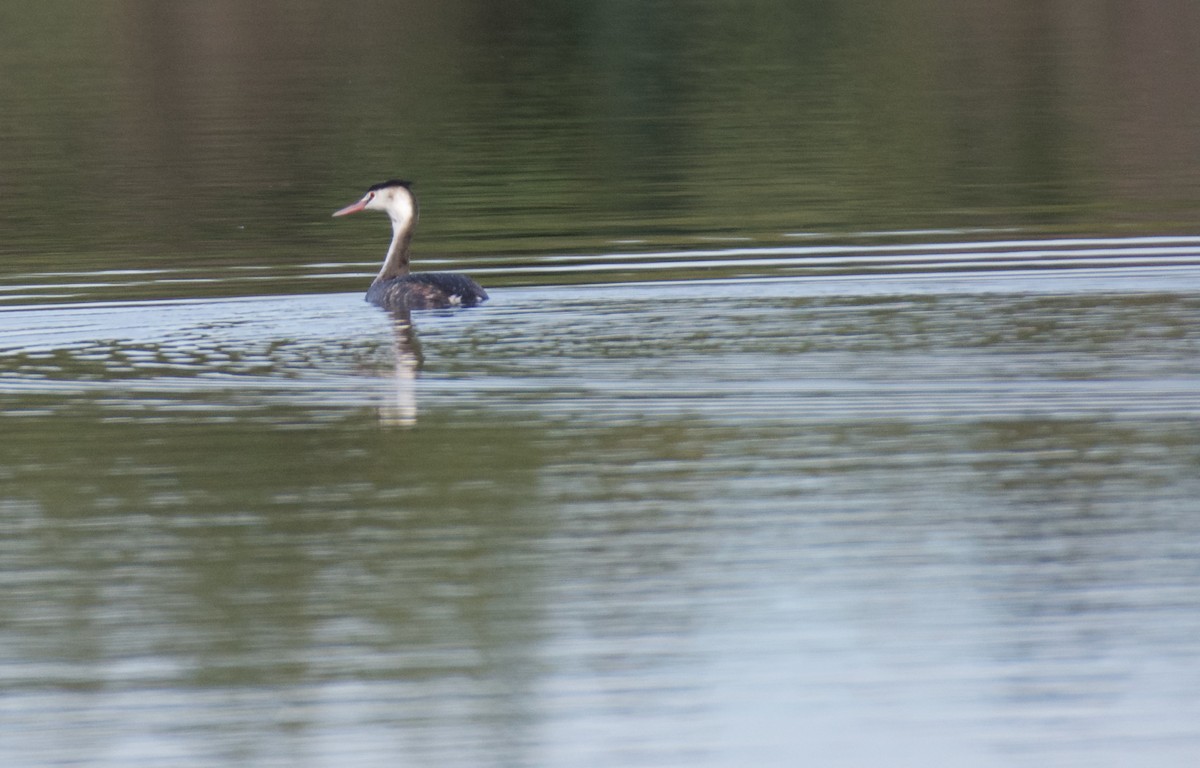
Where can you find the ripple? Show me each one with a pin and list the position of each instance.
(1068, 328)
(851, 255)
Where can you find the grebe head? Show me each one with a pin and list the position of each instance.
(393, 197)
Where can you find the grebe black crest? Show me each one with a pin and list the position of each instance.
(395, 287)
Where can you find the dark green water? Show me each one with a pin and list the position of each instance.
(838, 401)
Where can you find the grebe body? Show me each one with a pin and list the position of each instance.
(395, 287)
(426, 290)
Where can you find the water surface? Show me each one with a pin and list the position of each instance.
(655, 523)
(837, 401)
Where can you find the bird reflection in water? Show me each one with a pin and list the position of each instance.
(401, 411)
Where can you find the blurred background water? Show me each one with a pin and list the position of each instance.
(837, 401)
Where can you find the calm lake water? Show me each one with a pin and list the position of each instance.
(837, 403)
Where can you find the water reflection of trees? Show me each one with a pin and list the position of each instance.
(277, 553)
(174, 124)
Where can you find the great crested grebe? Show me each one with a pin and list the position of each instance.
(394, 287)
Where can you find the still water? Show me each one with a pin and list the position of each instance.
(825, 412)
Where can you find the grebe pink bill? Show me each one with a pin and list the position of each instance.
(395, 287)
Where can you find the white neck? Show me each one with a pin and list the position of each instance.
(404, 221)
